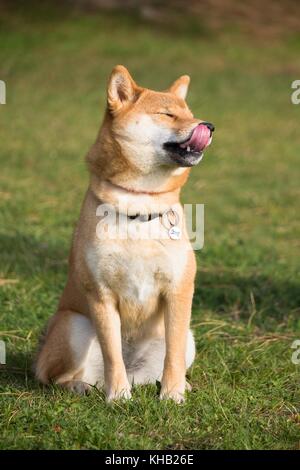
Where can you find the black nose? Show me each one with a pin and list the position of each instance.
(210, 126)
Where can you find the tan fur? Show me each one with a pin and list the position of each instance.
(130, 290)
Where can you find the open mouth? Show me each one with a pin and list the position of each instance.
(190, 152)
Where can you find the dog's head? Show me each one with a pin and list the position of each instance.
(150, 130)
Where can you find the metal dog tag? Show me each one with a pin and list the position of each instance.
(171, 217)
(175, 233)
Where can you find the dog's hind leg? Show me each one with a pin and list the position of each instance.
(145, 360)
(70, 354)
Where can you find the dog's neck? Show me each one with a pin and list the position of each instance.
(134, 191)
(130, 201)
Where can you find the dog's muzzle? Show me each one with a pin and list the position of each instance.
(190, 152)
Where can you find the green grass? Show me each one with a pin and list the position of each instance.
(246, 307)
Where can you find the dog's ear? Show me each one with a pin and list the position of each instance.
(121, 89)
(180, 86)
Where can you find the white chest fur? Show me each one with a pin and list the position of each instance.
(137, 270)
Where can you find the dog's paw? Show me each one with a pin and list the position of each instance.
(173, 392)
(77, 386)
(118, 394)
(188, 386)
(176, 395)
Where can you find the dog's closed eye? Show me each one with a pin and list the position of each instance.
(166, 114)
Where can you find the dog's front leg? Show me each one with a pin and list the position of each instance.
(108, 326)
(177, 320)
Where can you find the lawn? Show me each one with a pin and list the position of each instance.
(246, 306)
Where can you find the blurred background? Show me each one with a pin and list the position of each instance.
(55, 57)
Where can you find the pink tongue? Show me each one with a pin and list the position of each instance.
(200, 138)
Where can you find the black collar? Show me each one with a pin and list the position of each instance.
(144, 217)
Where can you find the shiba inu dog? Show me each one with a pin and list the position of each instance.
(124, 314)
